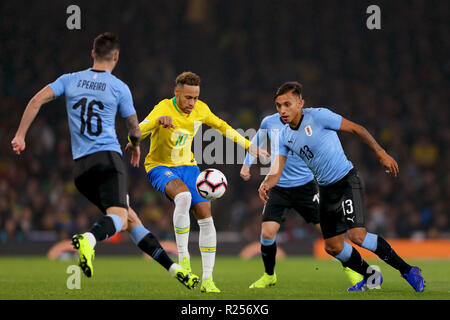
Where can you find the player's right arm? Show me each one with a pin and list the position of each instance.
(30, 113)
(154, 119)
(276, 169)
(151, 123)
(273, 177)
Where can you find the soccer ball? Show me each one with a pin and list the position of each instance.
(211, 184)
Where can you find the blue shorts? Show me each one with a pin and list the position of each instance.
(160, 176)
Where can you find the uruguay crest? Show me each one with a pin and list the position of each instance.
(308, 130)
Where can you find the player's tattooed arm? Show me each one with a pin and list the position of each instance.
(385, 159)
(31, 111)
(134, 136)
(134, 133)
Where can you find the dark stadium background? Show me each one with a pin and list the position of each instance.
(394, 81)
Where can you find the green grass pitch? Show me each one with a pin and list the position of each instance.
(299, 278)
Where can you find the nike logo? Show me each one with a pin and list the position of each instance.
(290, 141)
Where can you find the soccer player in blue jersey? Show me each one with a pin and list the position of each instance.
(312, 134)
(93, 98)
(296, 189)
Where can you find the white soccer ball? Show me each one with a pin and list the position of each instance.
(211, 184)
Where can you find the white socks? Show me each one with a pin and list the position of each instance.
(207, 243)
(173, 267)
(182, 223)
(90, 238)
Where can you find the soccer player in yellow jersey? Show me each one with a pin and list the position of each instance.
(172, 169)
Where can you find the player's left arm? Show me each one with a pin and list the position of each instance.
(385, 159)
(30, 113)
(227, 131)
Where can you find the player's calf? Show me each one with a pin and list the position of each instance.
(357, 235)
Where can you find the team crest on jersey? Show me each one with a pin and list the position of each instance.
(308, 130)
(168, 173)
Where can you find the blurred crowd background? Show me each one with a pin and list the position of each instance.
(394, 81)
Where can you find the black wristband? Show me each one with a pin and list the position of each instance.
(134, 140)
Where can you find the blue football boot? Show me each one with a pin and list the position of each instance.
(415, 279)
(363, 285)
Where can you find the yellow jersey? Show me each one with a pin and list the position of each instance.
(172, 147)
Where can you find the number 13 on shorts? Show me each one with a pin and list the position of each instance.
(347, 208)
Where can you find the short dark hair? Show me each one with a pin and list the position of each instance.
(189, 78)
(105, 44)
(294, 86)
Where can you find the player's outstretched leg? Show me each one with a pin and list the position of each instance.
(106, 227)
(188, 279)
(384, 251)
(353, 276)
(149, 244)
(350, 257)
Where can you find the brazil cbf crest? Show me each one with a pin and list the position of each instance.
(168, 173)
(308, 130)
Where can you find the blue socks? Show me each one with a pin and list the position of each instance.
(268, 253)
(345, 254)
(370, 242)
(106, 227)
(148, 243)
(117, 221)
(138, 233)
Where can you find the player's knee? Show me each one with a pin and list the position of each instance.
(183, 200)
(268, 234)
